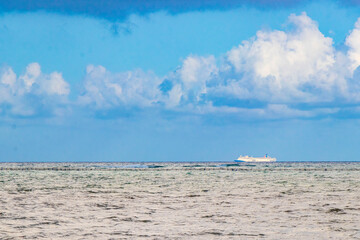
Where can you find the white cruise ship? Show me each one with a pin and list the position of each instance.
(265, 158)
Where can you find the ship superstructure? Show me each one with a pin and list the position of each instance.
(246, 158)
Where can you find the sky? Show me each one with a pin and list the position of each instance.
(179, 80)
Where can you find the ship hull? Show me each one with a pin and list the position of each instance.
(255, 160)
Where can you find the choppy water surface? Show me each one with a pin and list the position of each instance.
(179, 201)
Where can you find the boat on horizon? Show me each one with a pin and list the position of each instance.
(246, 158)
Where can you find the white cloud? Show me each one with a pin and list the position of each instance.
(32, 73)
(276, 71)
(26, 94)
(191, 80)
(353, 42)
(196, 71)
(276, 68)
(174, 97)
(287, 66)
(54, 84)
(35, 82)
(7, 84)
(108, 90)
(8, 77)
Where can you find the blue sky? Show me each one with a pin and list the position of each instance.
(179, 81)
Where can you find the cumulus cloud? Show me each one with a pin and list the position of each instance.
(261, 77)
(33, 81)
(191, 80)
(297, 65)
(32, 92)
(352, 41)
(276, 69)
(296, 73)
(104, 89)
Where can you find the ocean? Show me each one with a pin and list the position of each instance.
(180, 200)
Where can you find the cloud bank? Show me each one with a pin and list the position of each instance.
(276, 74)
(120, 9)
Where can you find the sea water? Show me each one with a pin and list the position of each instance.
(174, 200)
